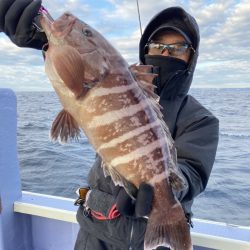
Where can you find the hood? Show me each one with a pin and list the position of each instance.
(178, 19)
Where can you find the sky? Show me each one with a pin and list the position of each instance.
(224, 60)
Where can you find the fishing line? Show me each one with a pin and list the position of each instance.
(139, 16)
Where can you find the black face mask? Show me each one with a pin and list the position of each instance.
(166, 67)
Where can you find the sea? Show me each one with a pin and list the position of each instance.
(51, 168)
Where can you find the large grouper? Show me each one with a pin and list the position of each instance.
(116, 108)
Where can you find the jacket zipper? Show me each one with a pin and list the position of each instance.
(131, 235)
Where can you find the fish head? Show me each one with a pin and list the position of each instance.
(97, 54)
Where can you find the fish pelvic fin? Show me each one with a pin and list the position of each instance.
(118, 179)
(64, 128)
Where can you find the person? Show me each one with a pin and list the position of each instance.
(109, 218)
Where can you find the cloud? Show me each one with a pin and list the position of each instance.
(25, 78)
(225, 44)
(224, 50)
(218, 74)
(21, 68)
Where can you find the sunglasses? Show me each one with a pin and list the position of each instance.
(174, 49)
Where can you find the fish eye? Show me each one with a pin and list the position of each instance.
(87, 32)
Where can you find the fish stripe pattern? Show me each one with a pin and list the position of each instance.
(139, 152)
(129, 135)
(114, 115)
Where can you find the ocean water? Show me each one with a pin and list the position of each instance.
(50, 168)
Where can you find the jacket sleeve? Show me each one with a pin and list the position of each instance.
(196, 142)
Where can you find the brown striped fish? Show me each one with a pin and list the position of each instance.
(116, 108)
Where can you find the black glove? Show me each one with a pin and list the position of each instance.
(16, 17)
(135, 208)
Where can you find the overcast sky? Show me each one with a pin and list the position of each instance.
(224, 50)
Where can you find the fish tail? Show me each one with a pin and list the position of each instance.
(164, 229)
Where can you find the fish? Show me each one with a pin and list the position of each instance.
(115, 106)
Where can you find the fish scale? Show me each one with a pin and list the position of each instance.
(117, 110)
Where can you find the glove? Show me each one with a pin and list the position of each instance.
(16, 17)
(135, 208)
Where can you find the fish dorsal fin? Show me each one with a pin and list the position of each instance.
(175, 176)
(64, 127)
(140, 68)
(70, 68)
(118, 179)
(144, 78)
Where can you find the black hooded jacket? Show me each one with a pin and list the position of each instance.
(193, 128)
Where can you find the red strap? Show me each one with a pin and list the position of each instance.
(98, 215)
(113, 213)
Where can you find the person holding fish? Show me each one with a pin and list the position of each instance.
(121, 208)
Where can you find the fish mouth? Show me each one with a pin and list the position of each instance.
(45, 13)
(60, 27)
(46, 22)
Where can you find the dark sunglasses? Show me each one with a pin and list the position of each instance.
(174, 49)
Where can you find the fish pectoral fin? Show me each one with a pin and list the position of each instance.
(69, 66)
(64, 127)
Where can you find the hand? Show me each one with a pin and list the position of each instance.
(16, 17)
(135, 208)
